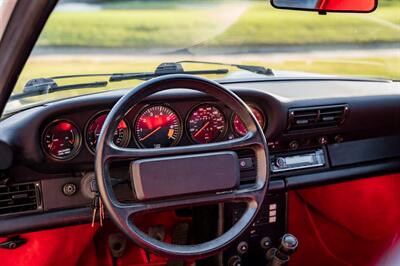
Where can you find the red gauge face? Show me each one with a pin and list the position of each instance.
(61, 140)
(206, 123)
(240, 128)
(157, 126)
(121, 134)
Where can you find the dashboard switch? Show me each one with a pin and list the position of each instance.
(266, 243)
(242, 247)
(280, 162)
(235, 261)
(339, 138)
(245, 163)
(323, 140)
(69, 189)
(294, 145)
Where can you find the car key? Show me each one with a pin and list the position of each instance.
(95, 207)
(101, 211)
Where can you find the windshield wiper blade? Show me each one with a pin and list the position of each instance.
(121, 77)
(164, 69)
(39, 86)
(35, 87)
(255, 69)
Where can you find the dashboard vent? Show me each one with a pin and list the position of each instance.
(316, 117)
(17, 198)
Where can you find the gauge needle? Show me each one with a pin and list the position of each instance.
(201, 129)
(151, 133)
(170, 133)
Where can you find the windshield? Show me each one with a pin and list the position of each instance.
(100, 36)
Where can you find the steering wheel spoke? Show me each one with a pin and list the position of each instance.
(115, 153)
(249, 195)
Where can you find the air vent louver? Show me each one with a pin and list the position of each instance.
(316, 117)
(17, 198)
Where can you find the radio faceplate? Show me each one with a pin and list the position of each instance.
(289, 162)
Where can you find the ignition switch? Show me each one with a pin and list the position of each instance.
(69, 189)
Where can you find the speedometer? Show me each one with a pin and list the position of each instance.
(206, 123)
(61, 140)
(157, 126)
(93, 128)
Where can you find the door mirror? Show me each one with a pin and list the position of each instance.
(323, 6)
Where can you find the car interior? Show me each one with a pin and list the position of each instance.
(183, 169)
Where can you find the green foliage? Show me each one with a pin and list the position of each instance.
(162, 25)
(145, 25)
(264, 26)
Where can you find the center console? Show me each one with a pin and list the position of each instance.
(263, 234)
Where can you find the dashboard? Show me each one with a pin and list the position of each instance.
(319, 131)
(50, 137)
(150, 126)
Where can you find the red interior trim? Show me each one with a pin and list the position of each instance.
(351, 223)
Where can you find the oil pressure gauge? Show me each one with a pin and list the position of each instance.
(61, 140)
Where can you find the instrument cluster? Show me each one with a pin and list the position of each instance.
(152, 126)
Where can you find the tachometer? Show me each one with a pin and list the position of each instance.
(61, 140)
(93, 128)
(240, 128)
(206, 123)
(157, 126)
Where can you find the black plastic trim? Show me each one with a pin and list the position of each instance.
(31, 223)
(280, 79)
(361, 151)
(342, 174)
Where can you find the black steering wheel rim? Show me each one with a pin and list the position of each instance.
(121, 213)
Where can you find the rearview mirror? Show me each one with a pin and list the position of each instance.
(323, 6)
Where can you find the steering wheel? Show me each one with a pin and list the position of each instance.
(149, 162)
